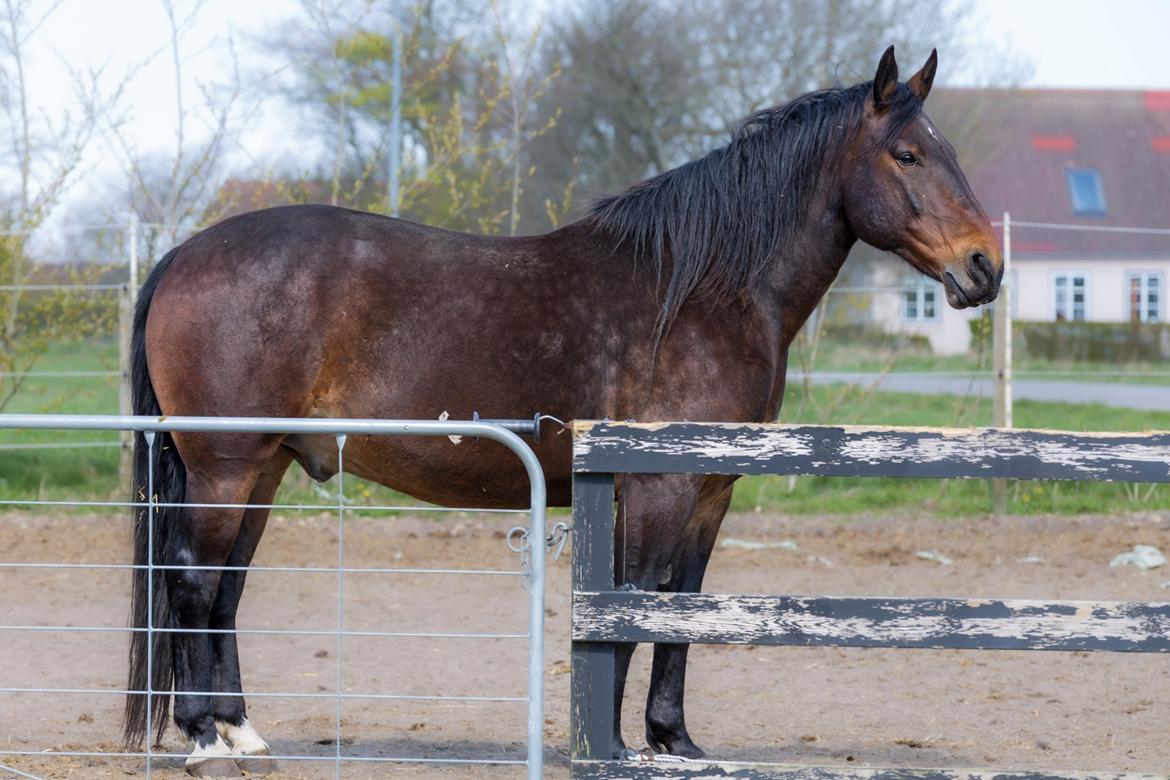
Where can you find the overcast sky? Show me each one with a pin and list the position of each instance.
(1087, 43)
(1069, 43)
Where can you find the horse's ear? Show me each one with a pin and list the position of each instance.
(920, 82)
(886, 80)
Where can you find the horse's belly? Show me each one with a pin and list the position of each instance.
(465, 472)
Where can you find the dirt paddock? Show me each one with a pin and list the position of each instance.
(1010, 710)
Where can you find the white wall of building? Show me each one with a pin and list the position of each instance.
(1033, 298)
(1108, 286)
(949, 332)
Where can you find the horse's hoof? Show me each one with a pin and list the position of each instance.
(681, 746)
(257, 763)
(213, 767)
(689, 750)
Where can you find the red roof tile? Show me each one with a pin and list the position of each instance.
(1054, 143)
(1158, 100)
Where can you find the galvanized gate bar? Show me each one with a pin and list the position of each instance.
(342, 427)
(310, 425)
(967, 624)
(867, 451)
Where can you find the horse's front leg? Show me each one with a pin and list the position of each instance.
(666, 729)
(653, 510)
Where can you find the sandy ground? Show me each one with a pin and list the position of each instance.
(1011, 710)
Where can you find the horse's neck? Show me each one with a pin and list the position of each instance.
(806, 269)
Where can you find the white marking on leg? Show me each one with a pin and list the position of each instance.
(217, 749)
(243, 738)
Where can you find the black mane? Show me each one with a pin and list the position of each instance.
(723, 218)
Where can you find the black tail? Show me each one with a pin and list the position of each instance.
(170, 482)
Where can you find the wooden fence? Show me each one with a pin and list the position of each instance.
(603, 616)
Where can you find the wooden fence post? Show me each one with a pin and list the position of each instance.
(592, 695)
(1002, 357)
(127, 298)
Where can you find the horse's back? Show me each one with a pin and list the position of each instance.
(317, 311)
(268, 310)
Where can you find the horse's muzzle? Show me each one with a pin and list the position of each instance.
(982, 277)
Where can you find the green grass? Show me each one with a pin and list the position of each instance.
(91, 473)
(887, 355)
(853, 405)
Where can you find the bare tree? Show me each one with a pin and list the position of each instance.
(42, 154)
(327, 75)
(649, 84)
(633, 101)
(467, 87)
(522, 87)
(173, 193)
(616, 91)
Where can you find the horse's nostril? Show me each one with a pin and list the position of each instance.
(981, 270)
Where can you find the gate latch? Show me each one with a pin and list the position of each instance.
(518, 540)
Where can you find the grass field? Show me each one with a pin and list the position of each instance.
(90, 472)
(842, 356)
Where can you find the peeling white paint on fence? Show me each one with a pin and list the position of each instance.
(698, 617)
(870, 451)
(715, 444)
(604, 618)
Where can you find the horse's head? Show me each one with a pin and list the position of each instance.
(904, 191)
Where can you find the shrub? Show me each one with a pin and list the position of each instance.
(1091, 342)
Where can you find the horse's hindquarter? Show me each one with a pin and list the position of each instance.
(324, 312)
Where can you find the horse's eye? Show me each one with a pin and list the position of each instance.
(906, 158)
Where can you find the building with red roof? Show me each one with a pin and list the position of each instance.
(1076, 169)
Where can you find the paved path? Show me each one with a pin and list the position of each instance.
(1151, 397)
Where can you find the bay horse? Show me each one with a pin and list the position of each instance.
(676, 299)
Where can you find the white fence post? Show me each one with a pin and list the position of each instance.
(126, 303)
(1002, 356)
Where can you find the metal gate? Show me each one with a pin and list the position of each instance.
(529, 542)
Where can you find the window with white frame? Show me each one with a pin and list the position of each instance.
(1070, 292)
(920, 301)
(1144, 292)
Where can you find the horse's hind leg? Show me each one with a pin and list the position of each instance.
(231, 718)
(204, 537)
(666, 729)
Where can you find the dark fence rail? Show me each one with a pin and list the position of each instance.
(604, 616)
(864, 451)
(963, 624)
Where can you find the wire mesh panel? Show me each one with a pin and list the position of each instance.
(344, 671)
